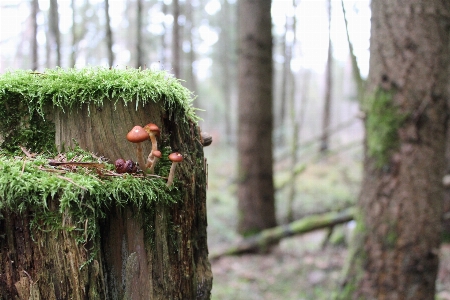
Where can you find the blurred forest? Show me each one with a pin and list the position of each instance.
(320, 61)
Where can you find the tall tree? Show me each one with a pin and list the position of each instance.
(54, 30)
(34, 41)
(109, 35)
(255, 71)
(138, 41)
(400, 206)
(191, 81)
(225, 52)
(326, 114)
(176, 40)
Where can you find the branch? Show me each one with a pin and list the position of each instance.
(273, 235)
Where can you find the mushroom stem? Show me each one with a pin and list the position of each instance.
(140, 157)
(152, 167)
(171, 173)
(175, 158)
(152, 159)
(154, 142)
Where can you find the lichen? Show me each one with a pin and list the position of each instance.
(382, 123)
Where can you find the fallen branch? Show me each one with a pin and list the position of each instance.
(265, 238)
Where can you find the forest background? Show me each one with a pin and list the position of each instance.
(317, 163)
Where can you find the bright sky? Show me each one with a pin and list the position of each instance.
(311, 15)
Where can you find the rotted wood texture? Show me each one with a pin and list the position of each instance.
(102, 130)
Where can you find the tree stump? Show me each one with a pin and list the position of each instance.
(78, 234)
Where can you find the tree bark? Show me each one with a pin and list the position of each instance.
(400, 206)
(255, 174)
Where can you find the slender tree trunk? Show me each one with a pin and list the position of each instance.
(326, 117)
(226, 51)
(176, 40)
(400, 206)
(54, 29)
(109, 35)
(355, 68)
(191, 80)
(255, 173)
(34, 42)
(73, 53)
(138, 41)
(294, 118)
(164, 47)
(286, 73)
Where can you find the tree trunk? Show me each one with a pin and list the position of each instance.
(176, 40)
(139, 41)
(109, 35)
(191, 80)
(154, 251)
(34, 42)
(400, 206)
(54, 29)
(326, 117)
(255, 173)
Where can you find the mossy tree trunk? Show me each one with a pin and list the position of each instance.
(400, 206)
(153, 252)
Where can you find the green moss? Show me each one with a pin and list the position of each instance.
(26, 98)
(82, 194)
(382, 123)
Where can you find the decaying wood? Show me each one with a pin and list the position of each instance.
(270, 236)
(159, 252)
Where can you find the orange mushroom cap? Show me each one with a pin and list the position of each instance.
(176, 157)
(157, 153)
(152, 128)
(137, 135)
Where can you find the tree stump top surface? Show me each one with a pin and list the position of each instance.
(29, 100)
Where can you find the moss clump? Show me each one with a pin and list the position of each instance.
(382, 123)
(82, 193)
(27, 97)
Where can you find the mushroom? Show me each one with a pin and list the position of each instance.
(153, 131)
(138, 135)
(152, 159)
(175, 158)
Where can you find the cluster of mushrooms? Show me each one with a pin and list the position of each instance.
(138, 135)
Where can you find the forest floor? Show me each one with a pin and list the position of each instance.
(300, 267)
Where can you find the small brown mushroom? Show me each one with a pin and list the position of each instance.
(138, 135)
(175, 158)
(152, 159)
(206, 139)
(153, 131)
